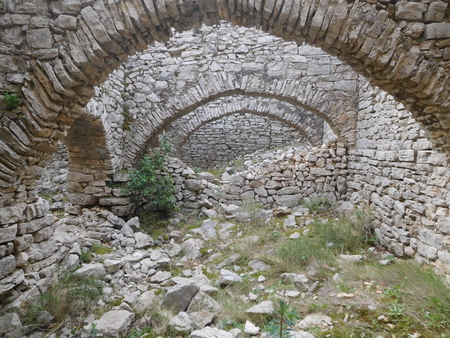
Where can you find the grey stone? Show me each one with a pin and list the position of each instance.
(179, 297)
(265, 308)
(301, 281)
(227, 277)
(191, 248)
(7, 265)
(181, 322)
(316, 319)
(114, 323)
(145, 301)
(95, 270)
(160, 276)
(8, 323)
(437, 31)
(410, 11)
(210, 332)
(8, 234)
(143, 241)
(39, 38)
(66, 22)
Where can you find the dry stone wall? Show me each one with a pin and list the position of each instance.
(231, 137)
(397, 171)
(283, 181)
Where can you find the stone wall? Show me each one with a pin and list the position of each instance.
(403, 178)
(283, 181)
(230, 138)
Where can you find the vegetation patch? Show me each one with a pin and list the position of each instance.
(68, 299)
(151, 186)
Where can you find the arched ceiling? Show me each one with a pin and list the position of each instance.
(308, 124)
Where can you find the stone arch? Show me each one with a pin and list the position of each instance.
(309, 125)
(335, 112)
(88, 40)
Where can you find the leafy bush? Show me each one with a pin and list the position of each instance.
(149, 183)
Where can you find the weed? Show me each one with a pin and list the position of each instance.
(313, 307)
(138, 333)
(281, 326)
(318, 204)
(396, 310)
(345, 288)
(314, 249)
(11, 101)
(86, 256)
(100, 249)
(70, 297)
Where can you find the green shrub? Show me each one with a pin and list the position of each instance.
(149, 184)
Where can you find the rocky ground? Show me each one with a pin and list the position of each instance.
(303, 272)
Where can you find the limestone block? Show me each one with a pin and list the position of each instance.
(227, 277)
(114, 201)
(66, 22)
(9, 215)
(143, 241)
(261, 191)
(288, 191)
(181, 323)
(179, 297)
(10, 282)
(430, 238)
(39, 38)
(209, 332)
(80, 177)
(320, 172)
(113, 323)
(289, 201)
(66, 6)
(193, 185)
(35, 225)
(145, 301)
(95, 270)
(437, 31)
(43, 234)
(436, 11)
(426, 250)
(409, 11)
(192, 248)
(407, 155)
(7, 265)
(8, 234)
(10, 325)
(81, 199)
(23, 242)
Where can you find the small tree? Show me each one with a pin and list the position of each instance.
(151, 184)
